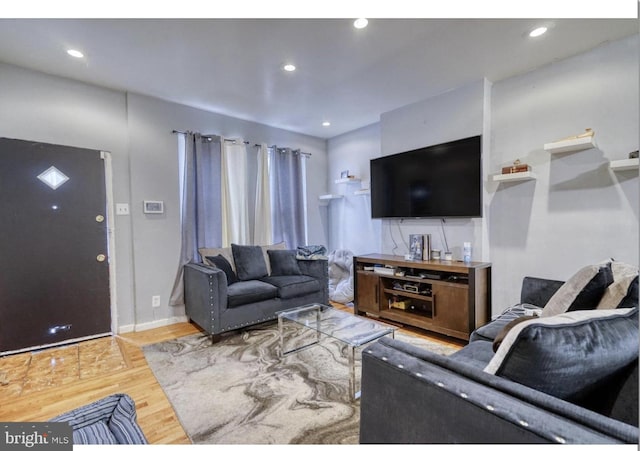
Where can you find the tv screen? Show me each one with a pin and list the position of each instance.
(441, 181)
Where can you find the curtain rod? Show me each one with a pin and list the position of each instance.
(189, 131)
(306, 154)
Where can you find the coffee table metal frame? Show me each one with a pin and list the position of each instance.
(355, 331)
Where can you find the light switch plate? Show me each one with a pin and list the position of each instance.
(122, 209)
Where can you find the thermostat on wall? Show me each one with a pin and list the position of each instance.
(153, 206)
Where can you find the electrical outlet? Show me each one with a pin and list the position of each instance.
(155, 301)
(122, 209)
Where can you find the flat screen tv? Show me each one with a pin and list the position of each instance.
(441, 181)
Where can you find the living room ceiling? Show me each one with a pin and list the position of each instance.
(344, 75)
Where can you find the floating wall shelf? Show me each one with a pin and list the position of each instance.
(330, 196)
(570, 145)
(346, 180)
(362, 192)
(624, 165)
(515, 177)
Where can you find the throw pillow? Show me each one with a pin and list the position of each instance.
(505, 330)
(621, 270)
(265, 248)
(223, 264)
(622, 293)
(582, 291)
(250, 263)
(213, 251)
(284, 263)
(568, 355)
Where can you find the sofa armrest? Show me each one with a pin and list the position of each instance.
(205, 295)
(318, 269)
(538, 291)
(410, 395)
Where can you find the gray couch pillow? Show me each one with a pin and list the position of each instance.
(622, 293)
(568, 355)
(249, 260)
(284, 263)
(223, 264)
(582, 291)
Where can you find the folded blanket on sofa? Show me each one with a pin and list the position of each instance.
(312, 252)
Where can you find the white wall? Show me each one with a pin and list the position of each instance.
(39, 107)
(577, 212)
(137, 131)
(455, 114)
(350, 223)
(154, 172)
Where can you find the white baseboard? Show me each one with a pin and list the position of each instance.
(152, 324)
(126, 329)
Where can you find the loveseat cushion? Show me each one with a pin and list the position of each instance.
(250, 263)
(478, 354)
(570, 355)
(293, 286)
(267, 247)
(249, 291)
(283, 263)
(490, 331)
(582, 291)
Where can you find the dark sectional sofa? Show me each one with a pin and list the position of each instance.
(410, 395)
(250, 292)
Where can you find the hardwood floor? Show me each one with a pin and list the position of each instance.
(39, 385)
(43, 384)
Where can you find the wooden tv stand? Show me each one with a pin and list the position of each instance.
(449, 297)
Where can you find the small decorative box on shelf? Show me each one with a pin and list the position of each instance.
(515, 177)
(517, 166)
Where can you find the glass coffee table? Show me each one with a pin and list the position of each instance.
(354, 331)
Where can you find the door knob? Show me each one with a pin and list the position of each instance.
(99, 218)
(101, 257)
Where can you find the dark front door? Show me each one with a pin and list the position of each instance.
(54, 273)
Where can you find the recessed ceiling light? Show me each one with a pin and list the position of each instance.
(360, 23)
(289, 67)
(75, 53)
(538, 32)
(326, 123)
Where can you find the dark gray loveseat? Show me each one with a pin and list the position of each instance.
(410, 395)
(218, 306)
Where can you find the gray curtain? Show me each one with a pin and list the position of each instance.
(200, 203)
(287, 198)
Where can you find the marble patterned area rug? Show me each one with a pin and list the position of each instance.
(239, 391)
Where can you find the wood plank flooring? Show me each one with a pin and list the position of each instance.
(46, 383)
(39, 385)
